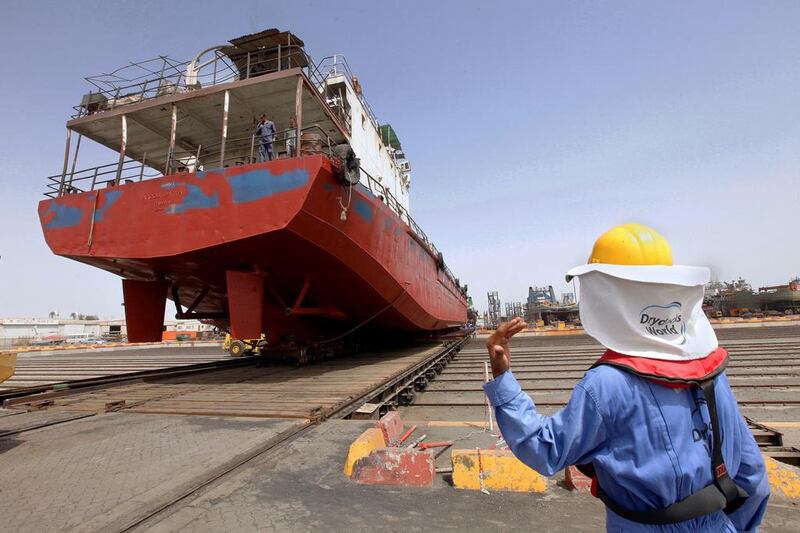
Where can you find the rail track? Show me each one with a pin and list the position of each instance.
(298, 398)
(40, 371)
(764, 372)
(237, 387)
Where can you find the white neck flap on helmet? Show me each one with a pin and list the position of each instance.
(646, 311)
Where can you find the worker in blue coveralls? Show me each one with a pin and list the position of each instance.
(654, 422)
(266, 136)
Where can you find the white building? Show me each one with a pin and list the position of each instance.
(17, 331)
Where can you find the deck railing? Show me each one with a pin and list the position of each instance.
(236, 151)
(385, 195)
(162, 76)
(332, 67)
(243, 150)
(99, 177)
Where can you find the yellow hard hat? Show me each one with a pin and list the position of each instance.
(631, 244)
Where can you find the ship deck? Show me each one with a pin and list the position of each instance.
(213, 127)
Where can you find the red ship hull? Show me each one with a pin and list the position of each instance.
(259, 248)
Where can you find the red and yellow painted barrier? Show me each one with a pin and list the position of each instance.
(396, 466)
(376, 457)
(494, 470)
(365, 444)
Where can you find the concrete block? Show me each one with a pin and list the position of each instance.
(366, 443)
(391, 425)
(501, 471)
(396, 466)
(574, 480)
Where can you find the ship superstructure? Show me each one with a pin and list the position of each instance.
(305, 248)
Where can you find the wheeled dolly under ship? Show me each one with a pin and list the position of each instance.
(308, 249)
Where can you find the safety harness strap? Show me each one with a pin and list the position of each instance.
(734, 495)
(702, 502)
(722, 494)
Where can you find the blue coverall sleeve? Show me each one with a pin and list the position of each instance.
(547, 444)
(752, 478)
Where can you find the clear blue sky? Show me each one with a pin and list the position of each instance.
(532, 126)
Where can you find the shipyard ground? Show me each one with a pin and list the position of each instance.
(101, 474)
(129, 471)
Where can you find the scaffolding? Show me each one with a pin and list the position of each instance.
(494, 310)
(541, 296)
(514, 310)
(543, 308)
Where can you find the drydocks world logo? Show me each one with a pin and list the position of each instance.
(664, 322)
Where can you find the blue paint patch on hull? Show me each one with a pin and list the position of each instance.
(363, 208)
(261, 183)
(110, 199)
(196, 199)
(65, 216)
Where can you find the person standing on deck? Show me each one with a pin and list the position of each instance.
(266, 135)
(291, 138)
(654, 422)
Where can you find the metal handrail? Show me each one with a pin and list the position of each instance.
(162, 76)
(150, 81)
(238, 151)
(383, 192)
(334, 66)
(89, 179)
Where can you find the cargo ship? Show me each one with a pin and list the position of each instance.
(300, 236)
(781, 298)
(722, 298)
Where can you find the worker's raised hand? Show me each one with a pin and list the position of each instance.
(497, 344)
